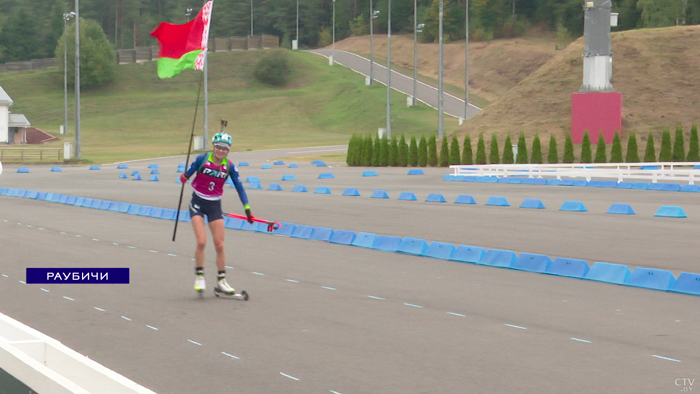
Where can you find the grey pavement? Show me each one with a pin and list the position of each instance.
(331, 318)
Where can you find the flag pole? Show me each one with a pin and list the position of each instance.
(187, 161)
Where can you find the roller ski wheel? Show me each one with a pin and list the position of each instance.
(243, 295)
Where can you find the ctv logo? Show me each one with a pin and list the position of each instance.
(686, 384)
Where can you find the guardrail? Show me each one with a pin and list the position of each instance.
(659, 171)
(30, 154)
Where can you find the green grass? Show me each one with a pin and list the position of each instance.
(141, 116)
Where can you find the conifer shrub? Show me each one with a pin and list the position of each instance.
(552, 154)
(432, 151)
(508, 151)
(536, 157)
(568, 150)
(616, 150)
(467, 156)
(402, 160)
(600, 155)
(586, 148)
(413, 153)
(422, 152)
(693, 147)
(494, 155)
(678, 145)
(632, 150)
(650, 151)
(666, 154)
(480, 150)
(455, 157)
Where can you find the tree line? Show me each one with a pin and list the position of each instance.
(30, 28)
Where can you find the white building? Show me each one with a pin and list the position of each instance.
(13, 127)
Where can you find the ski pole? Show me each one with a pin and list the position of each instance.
(270, 224)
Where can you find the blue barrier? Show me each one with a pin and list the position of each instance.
(594, 183)
(655, 186)
(22, 193)
(23, 170)
(671, 212)
(252, 178)
(351, 191)
(387, 243)
(640, 185)
(467, 254)
(651, 278)
(153, 165)
(184, 215)
(122, 167)
(229, 182)
(416, 171)
(104, 205)
(439, 250)
(532, 203)
(687, 283)
(532, 262)
(285, 228)
(413, 246)
(690, 188)
(245, 226)
(41, 195)
(278, 163)
(265, 167)
(319, 163)
(123, 207)
(497, 201)
(435, 197)
(94, 167)
(135, 172)
(620, 209)
(134, 209)
(567, 182)
(649, 168)
(572, 268)
(408, 196)
(326, 175)
(299, 188)
(498, 258)
(83, 202)
(671, 187)
(233, 223)
(449, 177)
(153, 178)
(554, 182)
(32, 194)
(609, 184)
(243, 164)
(56, 169)
(122, 175)
(469, 178)
(145, 210)
(274, 186)
(293, 165)
(136, 178)
(322, 190)
(609, 273)
(156, 171)
(575, 206)
(370, 173)
(534, 181)
(289, 177)
(156, 212)
(322, 234)
(259, 227)
(465, 199)
(255, 185)
(70, 200)
(343, 237)
(168, 214)
(364, 240)
(624, 185)
(379, 194)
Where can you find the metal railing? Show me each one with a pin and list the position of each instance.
(30, 154)
(656, 172)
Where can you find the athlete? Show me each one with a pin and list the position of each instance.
(213, 169)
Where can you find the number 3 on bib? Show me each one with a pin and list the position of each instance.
(211, 186)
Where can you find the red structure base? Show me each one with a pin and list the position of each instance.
(595, 112)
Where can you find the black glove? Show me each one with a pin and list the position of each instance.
(249, 215)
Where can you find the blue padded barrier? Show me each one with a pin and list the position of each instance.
(575, 206)
(640, 185)
(469, 178)
(408, 196)
(449, 177)
(609, 273)
(319, 163)
(440, 250)
(94, 167)
(180, 170)
(265, 167)
(122, 167)
(671, 212)
(343, 237)
(322, 234)
(123, 207)
(532, 203)
(609, 184)
(123, 176)
(135, 172)
(184, 215)
(624, 185)
(572, 268)
(322, 190)
(23, 170)
(293, 165)
(687, 283)
(554, 182)
(649, 168)
(278, 163)
(104, 205)
(416, 171)
(435, 197)
(275, 187)
(303, 231)
(289, 177)
(243, 164)
(168, 214)
(316, 162)
(94, 204)
(285, 228)
(134, 209)
(54, 197)
(690, 188)
(255, 185)
(259, 227)
(413, 246)
(233, 223)
(31, 194)
(465, 199)
(136, 178)
(326, 175)
(153, 165)
(145, 210)
(299, 189)
(567, 182)
(70, 200)
(351, 191)
(229, 182)
(594, 183)
(379, 194)
(364, 240)
(387, 243)
(655, 186)
(156, 171)
(153, 178)
(468, 254)
(497, 201)
(248, 226)
(498, 258)
(671, 187)
(579, 182)
(252, 178)
(41, 195)
(22, 193)
(156, 212)
(532, 262)
(651, 278)
(370, 173)
(79, 201)
(620, 209)
(56, 169)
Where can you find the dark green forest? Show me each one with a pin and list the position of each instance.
(30, 29)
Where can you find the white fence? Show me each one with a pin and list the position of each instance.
(687, 172)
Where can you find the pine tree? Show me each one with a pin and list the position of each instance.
(508, 151)
(393, 152)
(432, 151)
(552, 155)
(665, 154)
(444, 153)
(679, 145)
(352, 151)
(384, 153)
(600, 155)
(480, 150)
(650, 151)
(693, 148)
(455, 157)
(494, 156)
(422, 152)
(616, 151)
(536, 157)
(376, 152)
(586, 148)
(467, 157)
(632, 150)
(413, 153)
(568, 150)
(402, 160)
(522, 150)
(366, 158)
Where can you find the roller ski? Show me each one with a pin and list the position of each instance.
(223, 289)
(200, 285)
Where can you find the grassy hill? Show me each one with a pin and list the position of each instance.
(140, 116)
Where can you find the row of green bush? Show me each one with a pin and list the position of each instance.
(380, 152)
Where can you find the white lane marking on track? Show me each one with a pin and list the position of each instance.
(126, 318)
(41, 228)
(68, 298)
(334, 392)
(230, 355)
(580, 340)
(413, 305)
(131, 247)
(151, 327)
(456, 314)
(666, 358)
(229, 267)
(258, 273)
(29, 225)
(63, 233)
(5, 276)
(196, 343)
(115, 244)
(78, 236)
(153, 251)
(99, 309)
(377, 298)
(289, 376)
(43, 289)
(510, 325)
(328, 288)
(172, 255)
(95, 239)
(22, 282)
(292, 280)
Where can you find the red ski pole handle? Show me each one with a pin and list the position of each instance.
(270, 225)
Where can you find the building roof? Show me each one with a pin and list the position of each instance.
(18, 120)
(4, 97)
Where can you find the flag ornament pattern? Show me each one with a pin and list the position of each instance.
(183, 46)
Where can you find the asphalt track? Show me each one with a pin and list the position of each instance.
(326, 318)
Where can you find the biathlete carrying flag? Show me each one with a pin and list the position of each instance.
(183, 46)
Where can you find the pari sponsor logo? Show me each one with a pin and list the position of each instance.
(78, 275)
(685, 384)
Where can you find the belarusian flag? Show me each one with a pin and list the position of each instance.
(183, 46)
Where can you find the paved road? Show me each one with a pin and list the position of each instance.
(330, 318)
(425, 93)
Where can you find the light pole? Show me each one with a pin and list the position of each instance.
(388, 74)
(416, 29)
(372, 16)
(466, 64)
(333, 54)
(251, 18)
(66, 17)
(297, 47)
(77, 79)
(441, 131)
